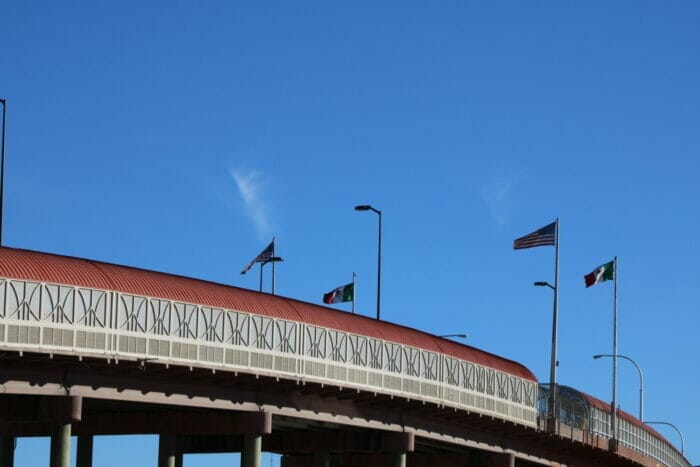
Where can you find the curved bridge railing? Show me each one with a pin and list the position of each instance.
(575, 411)
(53, 318)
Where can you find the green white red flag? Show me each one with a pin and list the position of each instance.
(345, 293)
(606, 272)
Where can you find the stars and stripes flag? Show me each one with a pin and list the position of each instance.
(544, 236)
(265, 255)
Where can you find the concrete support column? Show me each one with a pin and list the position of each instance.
(60, 445)
(506, 459)
(322, 459)
(7, 451)
(84, 451)
(252, 447)
(166, 451)
(398, 459)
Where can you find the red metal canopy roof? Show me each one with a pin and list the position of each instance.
(45, 267)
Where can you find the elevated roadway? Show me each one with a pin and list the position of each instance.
(90, 348)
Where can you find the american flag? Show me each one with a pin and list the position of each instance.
(266, 255)
(541, 237)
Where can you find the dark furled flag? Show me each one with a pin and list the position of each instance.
(606, 272)
(345, 293)
(541, 237)
(266, 255)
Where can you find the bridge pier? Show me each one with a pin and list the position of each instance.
(322, 459)
(60, 444)
(84, 451)
(398, 459)
(7, 451)
(251, 454)
(503, 460)
(65, 411)
(167, 452)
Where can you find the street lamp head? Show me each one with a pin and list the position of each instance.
(540, 284)
(363, 207)
(597, 356)
(461, 336)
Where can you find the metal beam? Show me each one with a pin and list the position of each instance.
(309, 442)
(19, 408)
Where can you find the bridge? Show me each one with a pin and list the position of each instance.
(89, 348)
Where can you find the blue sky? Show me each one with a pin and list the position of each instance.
(181, 137)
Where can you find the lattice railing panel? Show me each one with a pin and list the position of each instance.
(81, 320)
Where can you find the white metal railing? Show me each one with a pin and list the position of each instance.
(576, 412)
(44, 317)
(635, 437)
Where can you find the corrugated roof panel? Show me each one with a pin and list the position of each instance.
(44, 267)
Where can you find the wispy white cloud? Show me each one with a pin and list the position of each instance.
(250, 186)
(496, 194)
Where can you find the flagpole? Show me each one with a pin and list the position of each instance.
(354, 291)
(273, 265)
(261, 268)
(555, 318)
(613, 444)
(2, 163)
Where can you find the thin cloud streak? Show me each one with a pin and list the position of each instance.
(250, 185)
(496, 195)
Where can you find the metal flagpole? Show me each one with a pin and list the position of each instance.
(555, 317)
(354, 291)
(273, 265)
(261, 268)
(613, 444)
(2, 164)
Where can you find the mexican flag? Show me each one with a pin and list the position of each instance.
(345, 293)
(602, 273)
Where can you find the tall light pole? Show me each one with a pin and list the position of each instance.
(675, 428)
(641, 381)
(553, 362)
(367, 207)
(2, 164)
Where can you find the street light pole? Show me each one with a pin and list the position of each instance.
(641, 381)
(366, 207)
(553, 363)
(675, 428)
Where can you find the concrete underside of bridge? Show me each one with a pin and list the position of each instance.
(199, 410)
